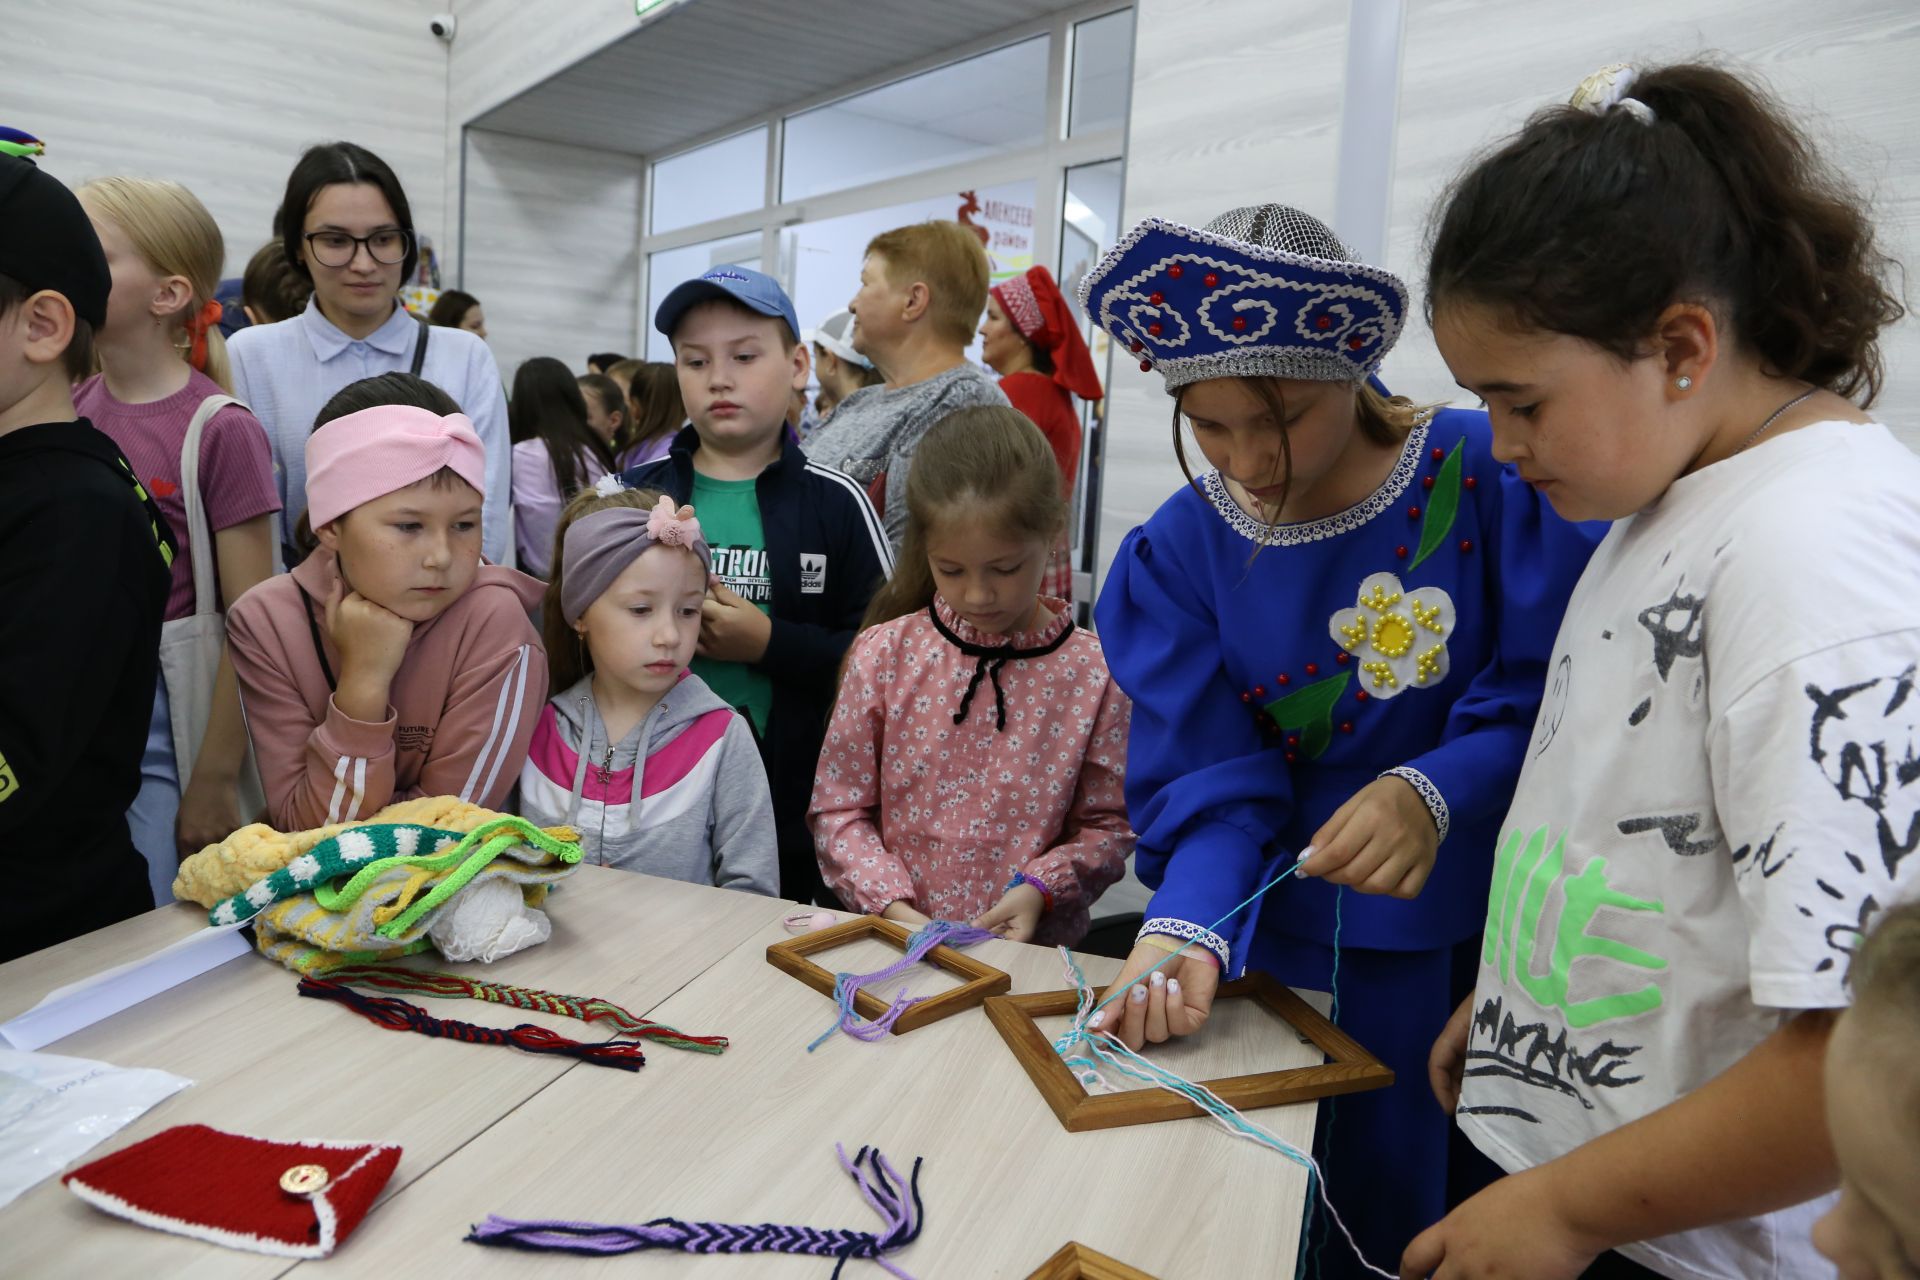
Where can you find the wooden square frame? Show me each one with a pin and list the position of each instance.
(1349, 1068)
(1077, 1262)
(979, 980)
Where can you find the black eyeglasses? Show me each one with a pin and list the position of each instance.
(336, 248)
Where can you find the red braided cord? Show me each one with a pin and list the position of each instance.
(587, 1009)
(398, 1015)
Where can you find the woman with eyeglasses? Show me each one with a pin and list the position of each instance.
(346, 225)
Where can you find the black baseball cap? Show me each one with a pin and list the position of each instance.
(47, 241)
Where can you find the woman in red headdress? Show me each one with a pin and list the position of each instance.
(1032, 340)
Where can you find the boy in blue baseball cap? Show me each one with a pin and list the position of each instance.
(797, 547)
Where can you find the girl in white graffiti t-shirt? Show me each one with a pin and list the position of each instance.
(1671, 307)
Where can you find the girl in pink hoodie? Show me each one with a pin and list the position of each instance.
(391, 663)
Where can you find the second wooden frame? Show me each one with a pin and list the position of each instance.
(978, 980)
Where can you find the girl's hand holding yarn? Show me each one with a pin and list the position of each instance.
(1382, 840)
(1521, 1225)
(900, 911)
(1173, 1001)
(1016, 916)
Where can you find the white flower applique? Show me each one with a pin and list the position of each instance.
(1398, 638)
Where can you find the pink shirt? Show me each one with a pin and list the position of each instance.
(909, 805)
(461, 709)
(236, 465)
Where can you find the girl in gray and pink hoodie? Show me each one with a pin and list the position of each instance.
(635, 752)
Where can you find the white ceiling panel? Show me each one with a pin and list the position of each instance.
(711, 63)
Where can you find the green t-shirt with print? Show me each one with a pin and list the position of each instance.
(729, 514)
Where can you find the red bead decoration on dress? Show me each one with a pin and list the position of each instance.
(1354, 344)
(1146, 366)
(1292, 758)
(1259, 691)
(1246, 697)
(1153, 330)
(1175, 271)
(1413, 513)
(1439, 454)
(1466, 545)
(1210, 279)
(1343, 658)
(1426, 482)
(1293, 739)
(1136, 346)
(1156, 297)
(1324, 322)
(1313, 668)
(1283, 678)
(1239, 324)
(1359, 695)
(1470, 482)
(1346, 726)
(1401, 552)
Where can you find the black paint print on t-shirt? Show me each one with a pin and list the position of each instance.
(1639, 713)
(1677, 830)
(1865, 739)
(1678, 628)
(1527, 1053)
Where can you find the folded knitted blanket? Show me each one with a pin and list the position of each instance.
(377, 892)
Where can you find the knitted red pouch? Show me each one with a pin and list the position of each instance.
(295, 1199)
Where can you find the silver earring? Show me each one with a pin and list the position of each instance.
(1683, 382)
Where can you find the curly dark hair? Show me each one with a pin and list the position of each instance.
(1592, 224)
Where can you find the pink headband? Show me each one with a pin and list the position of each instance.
(369, 454)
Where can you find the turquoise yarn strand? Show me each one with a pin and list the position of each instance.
(1085, 1053)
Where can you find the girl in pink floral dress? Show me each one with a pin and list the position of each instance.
(974, 766)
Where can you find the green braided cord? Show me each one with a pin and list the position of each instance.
(477, 848)
(453, 986)
(512, 831)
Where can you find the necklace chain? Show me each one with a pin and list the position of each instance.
(1773, 418)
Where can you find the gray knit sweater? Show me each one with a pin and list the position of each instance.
(876, 429)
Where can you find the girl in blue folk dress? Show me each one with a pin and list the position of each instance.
(1335, 640)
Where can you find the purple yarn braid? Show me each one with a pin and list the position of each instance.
(895, 1199)
(847, 985)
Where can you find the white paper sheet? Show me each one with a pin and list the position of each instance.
(81, 1004)
(54, 1110)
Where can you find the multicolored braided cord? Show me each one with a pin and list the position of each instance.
(895, 1199)
(451, 986)
(398, 1015)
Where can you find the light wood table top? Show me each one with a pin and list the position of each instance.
(748, 1137)
(267, 1062)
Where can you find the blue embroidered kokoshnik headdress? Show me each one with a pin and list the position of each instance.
(1262, 291)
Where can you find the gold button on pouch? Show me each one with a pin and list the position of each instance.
(304, 1179)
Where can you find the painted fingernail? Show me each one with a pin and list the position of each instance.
(1096, 1019)
(1159, 979)
(1173, 986)
(1138, 994)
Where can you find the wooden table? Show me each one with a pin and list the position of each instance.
(267, 1062)
(744, 1137)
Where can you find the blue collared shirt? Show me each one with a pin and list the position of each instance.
(287, 371)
